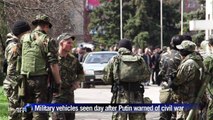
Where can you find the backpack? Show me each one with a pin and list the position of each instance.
(129, 68)
(33, 59)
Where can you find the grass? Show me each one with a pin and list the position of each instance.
(3, 105)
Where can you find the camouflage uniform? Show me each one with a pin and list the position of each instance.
(125, 95)
(10, 84)
(71, 71)
(188, 78)
(208, 62)
(36, 87)
(168, 67)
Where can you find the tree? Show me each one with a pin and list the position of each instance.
(199, 14)
(59, 11)
(139, 17)
(105, 21)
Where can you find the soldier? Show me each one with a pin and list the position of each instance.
(72, 74)
(188, 79)
(208, 62)
(168, 68)
(12, 54)
(126, 81)
(38, 51)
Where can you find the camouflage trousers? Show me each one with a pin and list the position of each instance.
(35, 92)
(128, 97)
(182, 115)
(67, 97)
(169, 115)
(11, 91)
(210, 110)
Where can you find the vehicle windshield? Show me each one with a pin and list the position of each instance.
(99, 57)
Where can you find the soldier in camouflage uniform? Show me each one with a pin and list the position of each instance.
(38, 52)
(72, 74)
(208, 62)
(13, 54)
(188, 79)
(124, 92)
(168, 68)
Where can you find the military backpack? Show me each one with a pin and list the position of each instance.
(33, 58)
(129, 68)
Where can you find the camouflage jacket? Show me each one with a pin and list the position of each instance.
(12, 52)
(169, 63)
(208, 62)
(70, 70)
(189, 76)
(110, 69)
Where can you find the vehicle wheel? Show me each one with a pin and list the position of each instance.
(85, 85)
(92, 85)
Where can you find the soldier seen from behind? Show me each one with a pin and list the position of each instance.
(208, 62)
(188, 80)
(169, 63)
(38, 52)
(13, 57)
(71, 72)
(126, 81)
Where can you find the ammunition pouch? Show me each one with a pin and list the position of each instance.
(21, 86)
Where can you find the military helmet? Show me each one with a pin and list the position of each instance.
(42, 18)
(187, 45)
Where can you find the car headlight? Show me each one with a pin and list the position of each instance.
(89, 72)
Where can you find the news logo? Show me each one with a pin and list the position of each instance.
(28, 108)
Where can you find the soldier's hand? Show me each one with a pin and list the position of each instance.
(75, 85)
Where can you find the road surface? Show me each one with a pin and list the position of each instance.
(102, 94)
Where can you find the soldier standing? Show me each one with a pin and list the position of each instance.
(168, 68)
(208, 62)
(72, 74)
(126, 83)
(38, 51)
(188, 79)
(13, 54)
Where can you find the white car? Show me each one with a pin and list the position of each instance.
(93, 67)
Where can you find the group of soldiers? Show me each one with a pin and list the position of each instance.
(34, 62)
(184, 72)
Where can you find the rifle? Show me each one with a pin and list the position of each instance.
(200, 93)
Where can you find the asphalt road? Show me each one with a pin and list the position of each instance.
(102, 94)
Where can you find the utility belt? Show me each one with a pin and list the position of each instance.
(34, 77)
(129, 86)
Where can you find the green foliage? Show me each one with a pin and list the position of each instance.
(199, 37)
(3, 106)
(141, 21)
(141, 39)
(101, 22)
